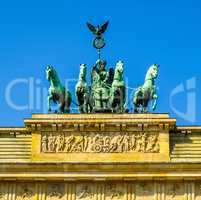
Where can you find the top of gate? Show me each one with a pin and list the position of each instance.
(106, 91)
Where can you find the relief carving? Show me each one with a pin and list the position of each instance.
(44, 143)
(84, 192)
(114, 192)
(60, 142)
(100, 143)
(198, 190)
(51, 143)
(2, 196)
(55, 191)
(26, 192)
(3, 191)
(174, 191)
(143, 190)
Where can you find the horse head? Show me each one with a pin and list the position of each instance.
(83, 71)
(119, 69)
(51, 75)
(152, 72)
(49, 72)
(120, 66)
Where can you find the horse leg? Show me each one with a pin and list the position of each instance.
(123, 99)
(81, 108)
(67, 102)
(49, 99)
(61, 101)
(67, 107)
(62, 107)
(155, 97)
(85, 104)
(90, 103)
(111, 99)
(145, 105)
(136, 103)
(136, 108)
(144, 110)
(117, 100)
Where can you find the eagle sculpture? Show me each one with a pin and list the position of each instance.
(98, 30)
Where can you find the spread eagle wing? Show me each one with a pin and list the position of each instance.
(103, 27)
(92, 28)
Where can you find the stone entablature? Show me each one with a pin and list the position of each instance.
(137, 190)
(100, 137)
(100, 157)
(101, 134)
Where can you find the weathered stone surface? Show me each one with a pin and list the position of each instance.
(146, 139)
(100, 157)
(138, 190)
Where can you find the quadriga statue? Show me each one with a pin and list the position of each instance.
(107, 91)
(147, 92)
(57, 92)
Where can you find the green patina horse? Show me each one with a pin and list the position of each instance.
(83, 92)
(118, 90)
(57, 92)
(146, 92)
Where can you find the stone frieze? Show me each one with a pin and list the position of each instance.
(100, 142)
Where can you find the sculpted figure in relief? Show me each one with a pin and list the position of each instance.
(85, 193)
(97, 143)
(25, 192)
(54, 192)
(51, 143)
(152, 143)
(44, 142)
(60, 143)
(114, 192)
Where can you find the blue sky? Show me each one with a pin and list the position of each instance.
(36, 33)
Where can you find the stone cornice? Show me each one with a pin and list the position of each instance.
(14, 130)
(100, 171)
(100, 122)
